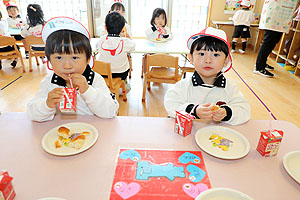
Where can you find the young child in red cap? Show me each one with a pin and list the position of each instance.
(69, 51)
(208, 94)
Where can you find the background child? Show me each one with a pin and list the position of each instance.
(209, 53)
(4, 32)
(242, 20)
(114, 49)
(119, 7)
(35, 23)
(158, 29)
(69, 51)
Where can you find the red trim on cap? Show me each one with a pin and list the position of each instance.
(67, 29)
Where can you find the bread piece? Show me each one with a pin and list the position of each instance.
(215, 108)
(64, 132)
(77, 142)
(58, 144)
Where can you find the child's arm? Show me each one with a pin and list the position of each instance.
(237, 108)
(99, 99)
(151, 33)
(38, 108)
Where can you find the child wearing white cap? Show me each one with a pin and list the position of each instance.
(242, 20)
(69, 51)
(198, 95)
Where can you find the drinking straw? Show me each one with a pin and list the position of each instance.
(270, 121)
(71, 81)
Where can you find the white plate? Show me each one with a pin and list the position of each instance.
(51, 136)
(222, 194)
(239, 147)
(159, 41)
(291, 163)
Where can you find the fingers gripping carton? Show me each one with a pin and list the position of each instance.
(183, 123)
(7, 191)
(269, 142)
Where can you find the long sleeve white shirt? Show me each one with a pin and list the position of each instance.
(35, 31)
(96, 100)
(243, 17)
(4, 28)
(114, 50)
(184, 93)
(14, 22)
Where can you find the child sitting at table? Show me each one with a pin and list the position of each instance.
(241, 20)
(14, 20)
(4, 32)
(35, 23)
(113, 48)
(69, 51)
(158, 29)
(199, 95)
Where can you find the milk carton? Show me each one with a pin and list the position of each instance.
(7, 191)
(69, 101)
(269, 142)
(183, 123)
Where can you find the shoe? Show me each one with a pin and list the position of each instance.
(268, 67)
(27, 54)
(44, 59)
(127, 89)
(233, 50)
(264, 72)
(13, 64)
(241, 51)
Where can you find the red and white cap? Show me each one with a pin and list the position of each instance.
(12, 4)
(246, 3)
(216, 33)
(65, 23)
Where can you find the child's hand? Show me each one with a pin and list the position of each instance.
(218, 115)
(79, 82)
(204, 111)
(54, 97)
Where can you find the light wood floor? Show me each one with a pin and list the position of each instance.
(280, 94)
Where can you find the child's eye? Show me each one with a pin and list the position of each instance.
(201, 54)
(58, 57)
(216, 54)
(75, 57)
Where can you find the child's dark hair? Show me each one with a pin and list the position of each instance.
(0, 15)
(114, 22)
(35, 15)
(211, 44)
(156, 13)
(67, 42)
(117, 6)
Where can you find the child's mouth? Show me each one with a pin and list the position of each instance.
(207, 68)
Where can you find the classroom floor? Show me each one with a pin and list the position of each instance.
(280, 94)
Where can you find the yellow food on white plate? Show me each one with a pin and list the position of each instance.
(215, 108)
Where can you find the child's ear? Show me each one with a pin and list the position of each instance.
(226, 60)
(190, 58)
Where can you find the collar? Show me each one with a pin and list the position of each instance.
(88, 73)
(219, 82)
(113, 35)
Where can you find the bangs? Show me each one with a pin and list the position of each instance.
(67, 42)
(210, 44)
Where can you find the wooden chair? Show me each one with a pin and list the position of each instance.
(114, 84)
(165, 72)
(10, 41)
(32, 40)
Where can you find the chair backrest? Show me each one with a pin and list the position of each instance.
(104, 69)
(7, 41)
(32, 40)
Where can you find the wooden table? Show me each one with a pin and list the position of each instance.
(89, 175)
(259, 32)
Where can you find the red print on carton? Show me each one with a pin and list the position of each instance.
(183, 123)
(7, 191)
(68, 102)
(269, 142)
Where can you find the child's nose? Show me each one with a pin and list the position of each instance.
(208, 59)
(67, 65)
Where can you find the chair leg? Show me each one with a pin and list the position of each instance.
(22, 63)
(30, 63)
(116, 91)
(124, 91)
(37, 61)
(148, 86)
(144, 65)
(130, 64)
(144, 89)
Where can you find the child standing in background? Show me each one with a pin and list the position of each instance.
(198, 95)
(4, 32)
(113, 48)
(69, 51)
(242, 20)
(35, 23)
(158, 29)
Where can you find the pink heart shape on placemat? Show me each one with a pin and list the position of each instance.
(126, 191)
(194, 190)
